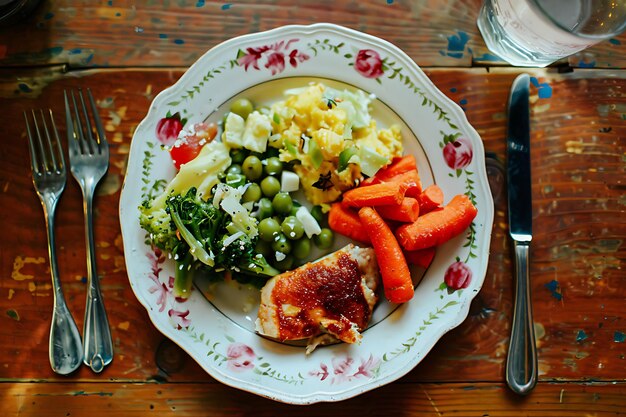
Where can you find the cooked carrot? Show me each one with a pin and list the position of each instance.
(386, 193)
(430, 199)
(406, 212)
(412, 181)
(393, 267)
(346, 221)
(438, 226)
(398, 166)
(420, 257)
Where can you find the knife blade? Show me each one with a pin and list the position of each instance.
(521, 366)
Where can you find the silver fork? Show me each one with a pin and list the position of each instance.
(49, 178)
(89, 161)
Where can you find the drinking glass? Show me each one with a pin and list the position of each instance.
(538, 32)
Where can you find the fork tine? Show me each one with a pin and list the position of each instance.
(89, 136)
(78, 126)
(59, 149)
(45, 160)
(34, 161)
(71, 133)
(102, 141)
(52, 154)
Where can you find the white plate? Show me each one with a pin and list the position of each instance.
(216, 329)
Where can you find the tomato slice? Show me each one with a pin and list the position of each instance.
(188, 147)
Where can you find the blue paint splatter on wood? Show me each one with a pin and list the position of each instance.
(83, 280)
(389, 1)
(24, 88)
(179, 41)
(75, 51)
(48, 16)
(581, 336)
(619, 337)
(615, 41)
(543, 89)
(583, 64)
(463, 101)
(555, 289)
(488, 57)
(118, 14)
(162, 35)
(226, 6)
(200, 3)
(456, 45)
(110, 2)
(453, 90)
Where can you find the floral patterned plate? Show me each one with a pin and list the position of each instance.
(216, 325)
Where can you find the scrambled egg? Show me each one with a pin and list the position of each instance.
(332, 139)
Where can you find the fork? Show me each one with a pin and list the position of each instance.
(49, 178)
(89, 161)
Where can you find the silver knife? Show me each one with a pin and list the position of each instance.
(521, 365)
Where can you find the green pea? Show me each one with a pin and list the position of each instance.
(295, 207)
(325, 239)
(243, 107)
(285, 264)
(234, 169)
(318, 215)
(273, 166)
(252, 168)
(282, 203)
(281, 244)
(238, 155)
(270, 186)
(301, 248)
(269, 230)
(292, 228)
(252, 193)
(264, 209)
(235, 180)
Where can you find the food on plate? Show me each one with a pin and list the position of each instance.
(404, 230)
(250, 204)
(438, 226)
(331, 137)
(391, 262)
(332, 297)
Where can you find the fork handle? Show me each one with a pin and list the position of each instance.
(98, 346)
(65, 346)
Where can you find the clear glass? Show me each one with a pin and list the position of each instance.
(538, 32)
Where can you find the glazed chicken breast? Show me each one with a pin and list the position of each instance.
(334, 295)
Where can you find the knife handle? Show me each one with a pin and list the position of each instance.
(521, 366)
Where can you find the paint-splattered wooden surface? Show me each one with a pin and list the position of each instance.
(579, 169)
(175, 33)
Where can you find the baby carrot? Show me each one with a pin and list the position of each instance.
(397, 166)
(438, 226)
(412, 181)
(387, 193)
(420, 257)
(406, 212)
(430, 199)
(393, 267)
(346, 221)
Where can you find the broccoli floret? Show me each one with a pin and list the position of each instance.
(158, 225)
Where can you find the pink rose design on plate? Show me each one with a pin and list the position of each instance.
(458, 153)
(240, 357)
(276, 56)
(368, 63)
(167, 129)
(458, 276)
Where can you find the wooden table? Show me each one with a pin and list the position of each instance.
(126, 52)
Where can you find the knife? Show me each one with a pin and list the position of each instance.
(521, 365)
